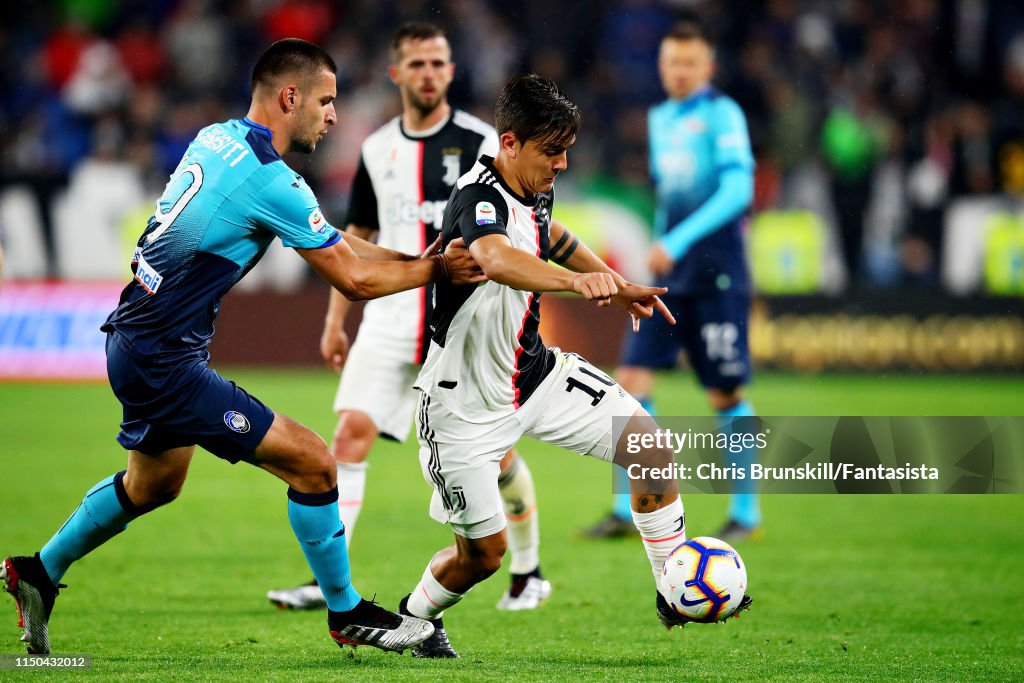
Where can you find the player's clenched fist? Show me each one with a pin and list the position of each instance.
(459, 264)
(600, 286)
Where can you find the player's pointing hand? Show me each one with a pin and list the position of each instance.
(642, 301)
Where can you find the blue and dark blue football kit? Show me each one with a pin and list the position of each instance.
(703, 171)
(702, 167)
(230, 196)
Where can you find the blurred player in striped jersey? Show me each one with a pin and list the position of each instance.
(406, 173)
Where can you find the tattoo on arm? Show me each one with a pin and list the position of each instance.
(564, 247)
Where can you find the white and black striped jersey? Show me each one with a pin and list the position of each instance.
(486, 357)
(401, 188)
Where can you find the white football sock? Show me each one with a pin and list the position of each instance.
(661, 530)
(517, 492)
(351, 485)
(429, 599)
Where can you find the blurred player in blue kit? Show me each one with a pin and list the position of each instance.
(703, 171)
(230, 196)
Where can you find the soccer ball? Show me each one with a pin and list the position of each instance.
(704, 579)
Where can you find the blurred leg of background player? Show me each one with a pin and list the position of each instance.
(619, 522)
(712, 331)
(353, 439)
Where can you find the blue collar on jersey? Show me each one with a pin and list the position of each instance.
(694, 99)
(263, 130)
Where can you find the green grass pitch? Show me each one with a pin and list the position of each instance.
(845, 587)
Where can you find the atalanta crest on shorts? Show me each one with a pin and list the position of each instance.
(236, 422)
(485, 214)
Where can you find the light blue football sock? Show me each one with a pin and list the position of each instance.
(104, 513)
(314, 519)
(620, 501)
(744, 506)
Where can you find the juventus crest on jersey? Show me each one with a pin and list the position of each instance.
(487, 356)
(401, 189)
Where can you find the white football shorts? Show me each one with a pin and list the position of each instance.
(572, 408)
(377, 384)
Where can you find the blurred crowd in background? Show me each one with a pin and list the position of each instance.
(876, 114)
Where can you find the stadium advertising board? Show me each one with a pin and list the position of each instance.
(51, 330)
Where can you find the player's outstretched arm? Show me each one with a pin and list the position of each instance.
(639, 301)
(505, 264)
(359, 239)
(360, 279)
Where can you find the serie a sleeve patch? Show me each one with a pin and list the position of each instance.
(485, 213)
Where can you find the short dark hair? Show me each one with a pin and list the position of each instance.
(291, 56)
(414, 30)
(533, 108)
(689, 29)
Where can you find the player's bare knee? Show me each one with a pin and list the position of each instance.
(324, 473)
(507, 460)
(485, 564)
(152, 493)
(482, 557)
(635, 381)
(166, 494)
(316, 470)
(353, 437)
(488, 566)
(724, 399)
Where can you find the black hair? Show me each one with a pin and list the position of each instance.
(291, 56)
(414, 30)
(533, 108)
(689, 29)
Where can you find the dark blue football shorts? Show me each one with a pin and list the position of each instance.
(173, 405)
(711, 329)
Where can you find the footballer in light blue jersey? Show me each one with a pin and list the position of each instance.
(230, 196)
(703, 172)
(702, 169)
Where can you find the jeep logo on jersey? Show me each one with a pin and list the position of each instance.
(317, 222)
(404, 211)
(236, 422)
(451, 159)
(485, 214)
